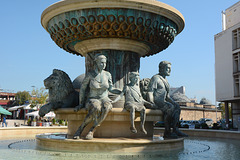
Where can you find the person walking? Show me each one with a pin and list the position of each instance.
(4, 121)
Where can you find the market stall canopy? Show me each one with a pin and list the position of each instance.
(25, 106)
(4, 111)
(50, 115)
(14, 108)
(35, 114)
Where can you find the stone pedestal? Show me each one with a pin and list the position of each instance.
(113, 136)
(116, 124)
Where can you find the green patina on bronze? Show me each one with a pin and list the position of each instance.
(157, 31)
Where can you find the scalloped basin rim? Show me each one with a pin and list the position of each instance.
(144, 5)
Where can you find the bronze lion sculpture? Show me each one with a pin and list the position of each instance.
(61, 92)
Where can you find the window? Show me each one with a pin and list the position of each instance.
(236, 62)
(236, 86)
(236, 39)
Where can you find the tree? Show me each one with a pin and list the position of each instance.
(221, 106)
(22, 97)
(39, 97)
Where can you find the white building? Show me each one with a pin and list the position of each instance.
(227, 62)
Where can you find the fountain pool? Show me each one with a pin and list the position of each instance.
(194, 148)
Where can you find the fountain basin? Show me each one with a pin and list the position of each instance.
(113, 135)
(113, 145)
(30, 132)
(23, 145)
(77, 26)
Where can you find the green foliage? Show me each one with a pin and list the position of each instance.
(29, 122)
(221, 106)
(60, 122)
(66, 123)
(39, 97)
(54, 121)
(22, 97)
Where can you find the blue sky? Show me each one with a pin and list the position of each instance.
(28, 55)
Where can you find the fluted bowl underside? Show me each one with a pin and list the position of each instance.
(154, 30)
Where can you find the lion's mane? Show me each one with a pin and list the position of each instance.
(59, 85)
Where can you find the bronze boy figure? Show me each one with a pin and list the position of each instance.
(134, 101)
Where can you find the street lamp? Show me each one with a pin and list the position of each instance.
(33, 90)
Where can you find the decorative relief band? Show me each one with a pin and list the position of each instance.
(153, 30)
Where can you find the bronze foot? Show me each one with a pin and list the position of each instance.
(89, 136)
(133, 129)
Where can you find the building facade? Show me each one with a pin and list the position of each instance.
(194, 111)
(227, 63)
(191, 110)
(6, 97)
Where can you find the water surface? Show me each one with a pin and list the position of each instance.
(194, 149)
